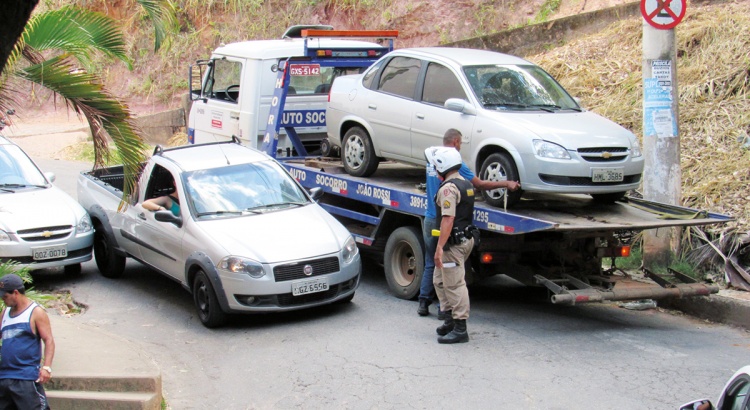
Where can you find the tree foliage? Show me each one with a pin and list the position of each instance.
(56, 50)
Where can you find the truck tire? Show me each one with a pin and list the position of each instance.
(608, 198)
(206, 302)
(404, 262)
(500, 167)
(357, 153)
(110, 264)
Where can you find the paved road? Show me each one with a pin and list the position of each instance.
(377, 353)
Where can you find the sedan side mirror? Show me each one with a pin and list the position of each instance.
(50, 176)
(459, 105)
(316, 193)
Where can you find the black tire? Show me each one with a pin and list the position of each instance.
(357, 153)
(404, 262)
(608, 198)
(110, 264)
(73, 270)
(206, 302)
(500, 167)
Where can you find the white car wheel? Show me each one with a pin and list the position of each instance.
(358, 155)
(500, 167)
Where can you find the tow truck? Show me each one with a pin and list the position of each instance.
(558, 242)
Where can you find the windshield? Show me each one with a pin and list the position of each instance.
(517, 87)
(17, 170)
(239, 189)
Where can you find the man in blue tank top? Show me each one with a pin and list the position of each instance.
(23, 366)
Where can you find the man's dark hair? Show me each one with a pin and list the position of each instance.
(451, 135)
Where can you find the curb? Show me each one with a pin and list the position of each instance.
(716, 308)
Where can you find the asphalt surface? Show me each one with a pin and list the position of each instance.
(377, 353)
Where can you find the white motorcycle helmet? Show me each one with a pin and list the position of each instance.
(444, 159)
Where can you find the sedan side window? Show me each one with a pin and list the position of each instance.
(399, 77)
(370, 75)
(441, 84)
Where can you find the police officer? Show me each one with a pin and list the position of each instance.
(455, 209)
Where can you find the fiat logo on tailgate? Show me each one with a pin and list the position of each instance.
(308, 270)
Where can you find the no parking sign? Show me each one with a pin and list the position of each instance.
(663, 14)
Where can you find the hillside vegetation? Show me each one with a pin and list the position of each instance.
(603, 69)
(159, 79)
(713, 76)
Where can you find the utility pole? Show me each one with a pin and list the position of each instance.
(662, 176)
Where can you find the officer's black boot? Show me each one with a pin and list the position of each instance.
(422, 310)
(447, 326)
(459, 334)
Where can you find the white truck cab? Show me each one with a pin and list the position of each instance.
(241, 82)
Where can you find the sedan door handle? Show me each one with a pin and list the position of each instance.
(372, 106)
(420, 116)
(142, 216)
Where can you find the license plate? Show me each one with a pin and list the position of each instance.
(304, 287)
(50, 252)
(607, 175)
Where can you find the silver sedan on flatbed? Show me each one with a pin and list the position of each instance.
(517, 123)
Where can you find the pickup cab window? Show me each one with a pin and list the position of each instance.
(223, 81)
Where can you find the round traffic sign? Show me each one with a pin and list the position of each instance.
(663, 14)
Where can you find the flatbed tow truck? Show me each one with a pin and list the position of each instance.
(554, 241)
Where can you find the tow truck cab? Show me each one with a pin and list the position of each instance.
(232, 92)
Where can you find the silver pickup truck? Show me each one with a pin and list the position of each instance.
(245, 238)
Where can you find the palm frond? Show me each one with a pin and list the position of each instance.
(162, 14)
(107, 117)
(79, 32)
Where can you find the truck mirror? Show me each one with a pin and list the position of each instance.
(195, 78)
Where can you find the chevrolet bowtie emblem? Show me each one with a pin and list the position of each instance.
(606, 154)
(46, 234)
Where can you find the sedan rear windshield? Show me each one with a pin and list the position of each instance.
(519, 87)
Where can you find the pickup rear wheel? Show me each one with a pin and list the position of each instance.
(404, 262)
(500, 167)
(110, 264)
(358, 154)
(204, 296)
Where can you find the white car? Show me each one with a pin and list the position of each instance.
(40, 225)
(246, 237)
(734, 396)
(517, 123)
